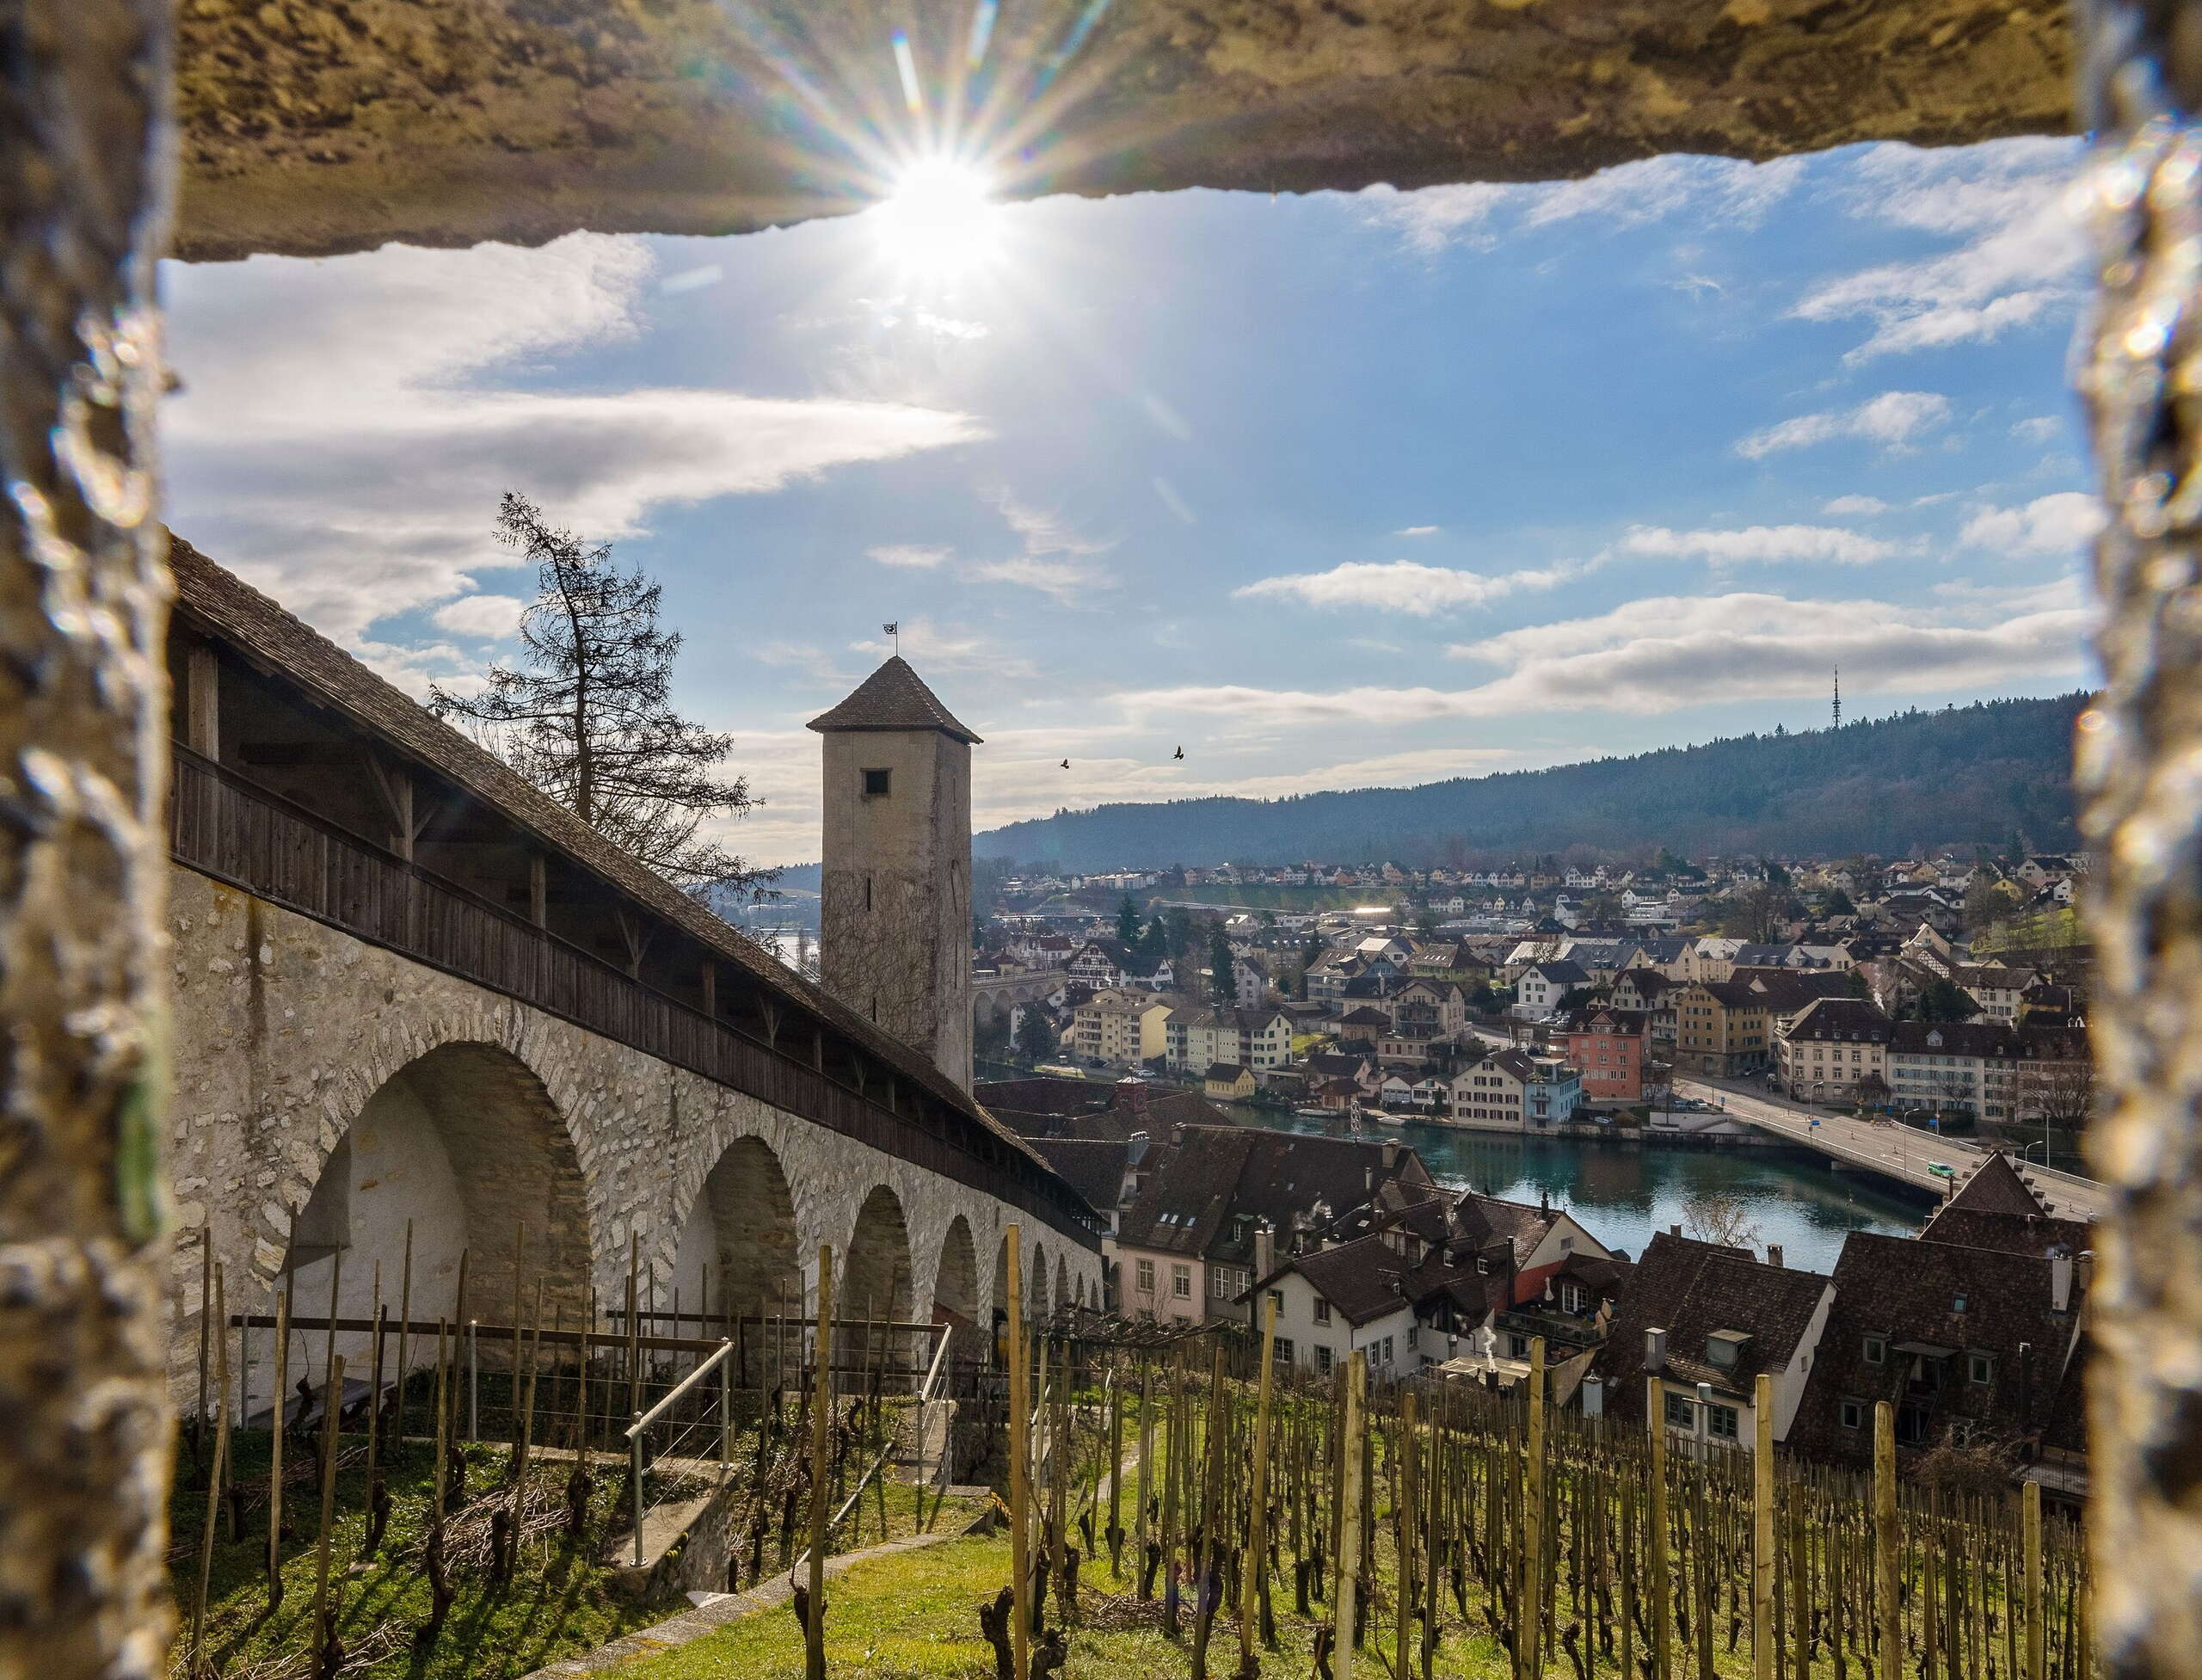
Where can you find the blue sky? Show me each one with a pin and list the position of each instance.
(1334, 491)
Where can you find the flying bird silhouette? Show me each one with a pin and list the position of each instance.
(1066, 764)
(1181, 752)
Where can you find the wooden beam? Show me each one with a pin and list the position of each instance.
(539, 889)
(710, 975)
(202, 722)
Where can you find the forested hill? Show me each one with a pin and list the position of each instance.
(1897, 785)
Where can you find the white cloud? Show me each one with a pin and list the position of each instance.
(1714, 190)
(2061, 524)
(1846, 505)
(334, 439)
(1065, 581)
(1893, 419)
(1402, 586)
(2041, 428)
(1664, 654)
(1416, 530)
(1774, 544)
(490, 617)
(1046, 535)
(915, 556)
(2020, 263)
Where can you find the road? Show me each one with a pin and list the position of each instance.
(1899, 1151)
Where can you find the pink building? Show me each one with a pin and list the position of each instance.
(1606, 1046)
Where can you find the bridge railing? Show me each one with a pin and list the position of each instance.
(221, 825)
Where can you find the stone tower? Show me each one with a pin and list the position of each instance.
(894, 940)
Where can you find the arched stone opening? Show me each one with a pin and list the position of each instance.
(876, 1284)
(465, 1145)
(1037, 1301)
(740, 1251)
(1062, 1296)
(956, 1287)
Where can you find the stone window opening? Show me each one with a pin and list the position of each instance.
(878, 784)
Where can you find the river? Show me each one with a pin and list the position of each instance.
(1622, 1193)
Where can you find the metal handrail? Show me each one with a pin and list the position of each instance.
(644, 1419)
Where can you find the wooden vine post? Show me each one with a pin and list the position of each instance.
(821, 1436)
(2037, 1628)
(1764, 1557)
(1020, 1494)
(1343, 1602)
(1888, 1608)
(1253, 1574)
(1663, 1609)
(1530, 1622)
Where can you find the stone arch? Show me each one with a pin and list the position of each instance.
(1061, 1296)
(739, 1253)
(877, 1281)
(1037, 1305)
(465, 1142)
(956, 1278)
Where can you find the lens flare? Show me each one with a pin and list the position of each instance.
(941, 221)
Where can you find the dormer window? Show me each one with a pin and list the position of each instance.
(1877, 1350)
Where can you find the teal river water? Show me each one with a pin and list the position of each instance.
(1622, 1193)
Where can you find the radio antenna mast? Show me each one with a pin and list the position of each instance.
(1838, 697)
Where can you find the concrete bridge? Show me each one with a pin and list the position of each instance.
(995, 998)
(1901, 1152)
(411, 990)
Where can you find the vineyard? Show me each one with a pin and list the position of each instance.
(1404, 1529)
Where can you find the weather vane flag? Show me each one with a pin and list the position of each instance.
(894, 635)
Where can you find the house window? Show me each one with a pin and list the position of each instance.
(1276, 1299)
(1322, 1310)
(1323, 1361)
(1225, 1281)
(877, 782)
(1877, 1350)
(1853, 1413)
(1281, 1351)
(1412, 1331)
(1980, 1368)
(1146, 1276)
(1720, 1422)
(1681, 1412)
(1387, 1354)
(1517, 1347)
(1181, 1282)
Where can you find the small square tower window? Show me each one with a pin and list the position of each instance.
(878, 784)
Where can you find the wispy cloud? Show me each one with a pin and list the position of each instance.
(1665, 653)
(489, 617)
(2021, 264)
(1768, 544)
(947, 650)
(1894, 419)
(1054, 562)
(1403, 586)
(1416, 530)
(1713, 190)
(1843, 507)
(2061, 524)
(312, 389)
(912, 557)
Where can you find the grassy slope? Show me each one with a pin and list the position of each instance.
(558, 1602)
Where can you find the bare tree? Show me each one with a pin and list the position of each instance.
(1713, 1214)
(588, 718)
(2058, 1093)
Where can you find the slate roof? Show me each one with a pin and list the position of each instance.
(1852, 1020)
(1094, 1167)
(1207, 1175)
(1225, 1072)
(1363, 1280)
(892, 697)
(1788, 990)
(1691, 1288)
(263, 633)
(1911, 1292)
(1733, 993)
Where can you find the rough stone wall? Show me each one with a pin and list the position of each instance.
(311, 128)
(284, 1028)
(894, 899)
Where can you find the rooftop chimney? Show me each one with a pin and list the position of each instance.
(2060, 1283)
(2087, 1269)
(1676, 1230)
(1264, 1251)
(1593, 1397)
(1391, 1155)
(1135, 1149)
(1774, 1255)
(1655, 1350)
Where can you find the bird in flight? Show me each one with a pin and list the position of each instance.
(1066, 764)
(1181, 752)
